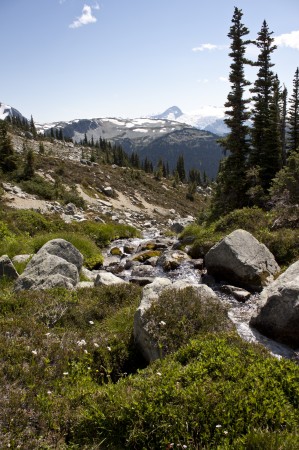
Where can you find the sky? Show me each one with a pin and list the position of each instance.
(74, 59)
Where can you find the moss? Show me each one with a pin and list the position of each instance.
(144, 256)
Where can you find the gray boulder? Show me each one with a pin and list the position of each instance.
(7, 269)
(107, 279)
(277, 314)
(65, 250)
(242, 260)
(56, 264)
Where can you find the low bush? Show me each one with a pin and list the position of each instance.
(249, 219)
(74, 341)
(213, 393)
(180, 315)
(37, 185)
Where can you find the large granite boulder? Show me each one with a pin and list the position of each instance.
(277, 315)
(242, 260)
(7, 269)
(151, 293)
(56, 264)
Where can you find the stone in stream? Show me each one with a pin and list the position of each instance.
(242, 260)
(107, 279)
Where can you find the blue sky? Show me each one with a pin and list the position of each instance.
(68, 59)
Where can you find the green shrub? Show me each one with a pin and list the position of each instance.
(180, 315)
(249, 219)
(283, 243)
(32, 222)
(40, 187)
(212, 392)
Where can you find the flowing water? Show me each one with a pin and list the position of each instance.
(239, 312)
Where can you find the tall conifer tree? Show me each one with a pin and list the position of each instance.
(293, 136)
(266, 149)
(231, 184)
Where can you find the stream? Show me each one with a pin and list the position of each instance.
(238, 312)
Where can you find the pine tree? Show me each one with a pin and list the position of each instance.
(7, 154)
(28, 171)
(293, 116)
(32, 127)
(284, 97)
(266, 151)
(231, 181)
(180, 168)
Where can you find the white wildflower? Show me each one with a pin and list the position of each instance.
(34, 352)
(162, 323)
(65, 373)
(218, 426)
(108, 348)
(95, 344)
(159, 374)
(81, 343)
(91, 322)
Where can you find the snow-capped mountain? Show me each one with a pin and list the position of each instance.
(209, 118)
(9, 111)
(152, 138)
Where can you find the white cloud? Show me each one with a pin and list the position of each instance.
(204, 47)
(223, 79)
(288, 40)
(204, 81)
(85, 18)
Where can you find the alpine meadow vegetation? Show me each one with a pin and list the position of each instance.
(72, 376)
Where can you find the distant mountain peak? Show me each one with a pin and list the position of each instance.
(172, 113)
(9, 111)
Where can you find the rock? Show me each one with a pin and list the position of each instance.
(108, 191)
(107, 279)
(20, 258)
(143, 256)
(70, 209)
(142, 281)
(7, 269)
(116, 251)
(277, 314)
(151, 293)
(241, 259)
(172, 259)
(56, 264)
(129, 249)
(177, 227)
(240, 294)
(85, 285)
(143, 271)
(65, 250)
(198, 263)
